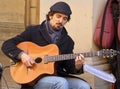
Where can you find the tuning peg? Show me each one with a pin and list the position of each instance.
(118, 52)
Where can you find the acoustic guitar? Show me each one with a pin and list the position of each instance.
(45, 57)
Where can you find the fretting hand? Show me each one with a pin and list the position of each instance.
(79, 61)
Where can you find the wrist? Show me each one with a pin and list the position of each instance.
(19, 55)
(78, 67)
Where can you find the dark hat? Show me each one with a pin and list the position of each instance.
(61, 7)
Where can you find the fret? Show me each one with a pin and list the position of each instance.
(90, 54)
(102, 53)
(69, 56)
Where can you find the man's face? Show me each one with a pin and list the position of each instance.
(58, 20)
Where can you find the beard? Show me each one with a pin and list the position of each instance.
(58, 26)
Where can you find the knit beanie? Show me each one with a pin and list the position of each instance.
(61, 7)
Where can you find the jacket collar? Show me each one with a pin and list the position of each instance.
(43, 30)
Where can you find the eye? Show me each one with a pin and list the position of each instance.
(58, 16)
(65, 18)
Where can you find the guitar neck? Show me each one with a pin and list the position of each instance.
(69, 56)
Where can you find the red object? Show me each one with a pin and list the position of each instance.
(119, 30)
(113, 86)
(105, 23)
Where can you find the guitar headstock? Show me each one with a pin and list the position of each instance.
(108, 53)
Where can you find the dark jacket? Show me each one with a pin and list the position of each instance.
(38, 34)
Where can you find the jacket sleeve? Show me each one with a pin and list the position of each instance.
(68, 66)
(9, 47)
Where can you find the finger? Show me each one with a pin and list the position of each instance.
(28, 64)
(82, 56)
(77, 58)
(32, 61)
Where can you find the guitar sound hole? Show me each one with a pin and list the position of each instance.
(38, 60)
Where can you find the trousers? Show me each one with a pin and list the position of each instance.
(55, 82)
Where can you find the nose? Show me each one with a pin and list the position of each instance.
(61, 20)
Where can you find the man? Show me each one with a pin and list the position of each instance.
(50, 31)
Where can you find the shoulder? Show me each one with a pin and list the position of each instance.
(67, 36)
(70, 39)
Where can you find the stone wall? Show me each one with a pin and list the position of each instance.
(8, 30)
(15, 15)
(11, 23)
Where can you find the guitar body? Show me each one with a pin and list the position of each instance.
(21, 74)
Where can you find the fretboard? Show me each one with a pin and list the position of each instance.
(68, 56)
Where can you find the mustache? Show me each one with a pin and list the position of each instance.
(60, 24)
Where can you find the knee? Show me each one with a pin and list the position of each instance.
(84, 85)
(62, 83)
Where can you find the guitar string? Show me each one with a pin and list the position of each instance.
(69, 56)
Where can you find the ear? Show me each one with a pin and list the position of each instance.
(50, 17)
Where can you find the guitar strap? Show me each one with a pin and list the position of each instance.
(103, 23)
